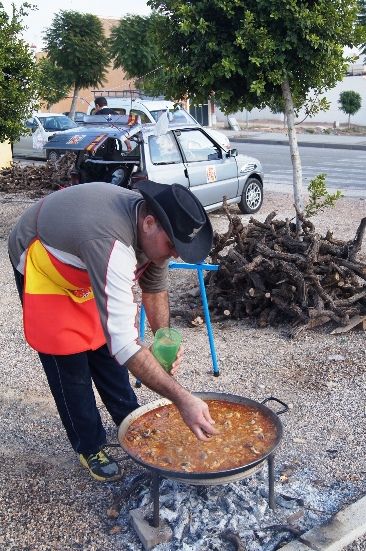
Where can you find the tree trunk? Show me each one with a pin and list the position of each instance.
(294, 150)
(73, 103)
(349, 122)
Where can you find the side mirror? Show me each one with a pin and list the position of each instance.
(232, 153)
(213, 156)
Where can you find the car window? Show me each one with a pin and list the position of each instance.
(115, 150)
(118, 110)
(180, 116)
(164, 149)
(52, 124)
(31, 123)
(144, 118)
(196, 146)
(130, 148)
(156, 114)
(78, 114)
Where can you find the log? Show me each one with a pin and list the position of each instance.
(277, 273)
(37, 179)
(355, 246)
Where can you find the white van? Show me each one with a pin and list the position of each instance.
(149, 110)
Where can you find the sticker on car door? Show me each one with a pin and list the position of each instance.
(74, 140)
(211, 174)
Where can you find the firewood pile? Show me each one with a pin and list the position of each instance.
(37, 178)
(276, 273)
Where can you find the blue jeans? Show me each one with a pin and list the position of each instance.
(70, 380)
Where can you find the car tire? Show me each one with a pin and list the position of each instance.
(52, 155)
(252, 196)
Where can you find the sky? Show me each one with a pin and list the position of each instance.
(38, 20)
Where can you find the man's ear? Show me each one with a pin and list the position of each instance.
(149, 224)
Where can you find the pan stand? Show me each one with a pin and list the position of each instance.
(155, 491)
(271, 494)
(155, 498)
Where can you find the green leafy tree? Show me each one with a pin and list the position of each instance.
(75, 42)
(349, 102)
(18, 75)
(255, 53)
(134, 49)
(362, 22)
(53, 82)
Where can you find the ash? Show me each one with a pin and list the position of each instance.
(237, 515)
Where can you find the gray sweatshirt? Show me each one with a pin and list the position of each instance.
(94, 227)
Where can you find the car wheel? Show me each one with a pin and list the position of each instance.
(252, 196)
(52, 155)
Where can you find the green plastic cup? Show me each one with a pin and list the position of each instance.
(166, 345)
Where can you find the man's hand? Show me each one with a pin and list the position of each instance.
(194, 411)
(196, 415)
(177, 361)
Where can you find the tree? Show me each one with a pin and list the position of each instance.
(350, 103)
(76, 43)
(255, 53)
(319, 197)
(362, 22)
(53, 82)
(17, 75)
(140, 59)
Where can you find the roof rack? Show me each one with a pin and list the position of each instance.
(134, 94)
(118, 93)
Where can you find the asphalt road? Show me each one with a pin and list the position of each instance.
(345, 169)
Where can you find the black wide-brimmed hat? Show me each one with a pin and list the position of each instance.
(182, 216)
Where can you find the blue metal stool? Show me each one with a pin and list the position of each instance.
(200, 268)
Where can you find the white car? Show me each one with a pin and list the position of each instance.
(42, 126)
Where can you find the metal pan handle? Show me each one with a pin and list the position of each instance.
(285, 406)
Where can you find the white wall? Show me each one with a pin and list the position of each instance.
(357, 84)
(5, 154)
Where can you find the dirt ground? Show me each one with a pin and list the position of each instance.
(48, 503)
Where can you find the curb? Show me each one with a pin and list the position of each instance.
(345, 527)
(300, 144)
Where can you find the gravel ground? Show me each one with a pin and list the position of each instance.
(48, 503)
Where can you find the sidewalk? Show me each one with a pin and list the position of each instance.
(304, 139)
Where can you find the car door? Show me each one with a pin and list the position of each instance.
(24, 146)
(212, 175)
(163, 159)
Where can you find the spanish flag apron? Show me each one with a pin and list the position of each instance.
(60, 315)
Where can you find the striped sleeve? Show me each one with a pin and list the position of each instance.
(112, 271)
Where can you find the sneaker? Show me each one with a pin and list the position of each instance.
(101, 466)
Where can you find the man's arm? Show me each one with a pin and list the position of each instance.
(194, 411)
(157, 309)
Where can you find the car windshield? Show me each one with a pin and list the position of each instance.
(181, 116)
(51, 123)
(177, 116)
